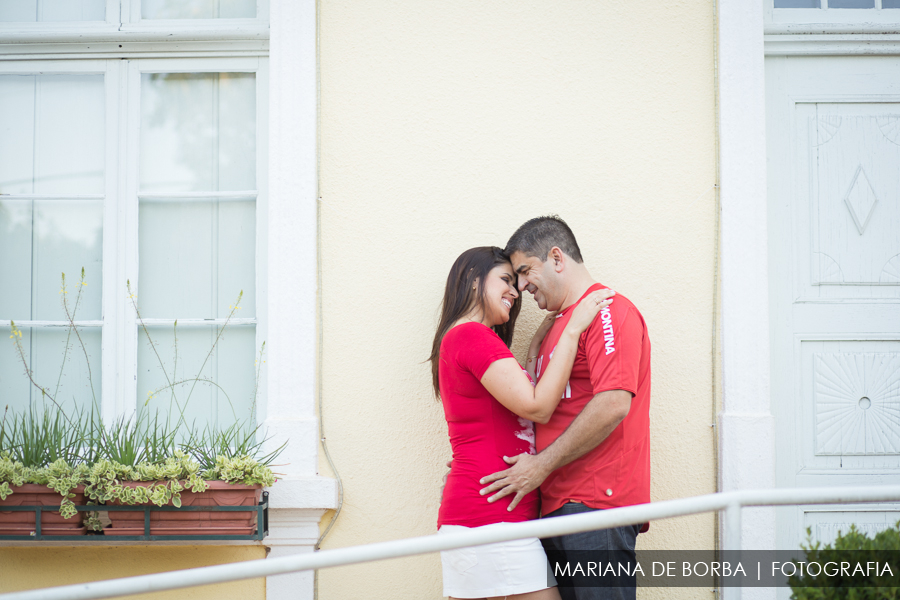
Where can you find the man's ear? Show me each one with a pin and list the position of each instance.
(558, 259)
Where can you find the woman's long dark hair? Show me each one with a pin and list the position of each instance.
(460, 296)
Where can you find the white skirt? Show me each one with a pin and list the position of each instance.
(501, 569)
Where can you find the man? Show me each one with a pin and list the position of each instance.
(594, 453)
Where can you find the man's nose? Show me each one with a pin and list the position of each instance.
(521, 283)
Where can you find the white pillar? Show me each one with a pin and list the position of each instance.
(746, 426)
(300, 498)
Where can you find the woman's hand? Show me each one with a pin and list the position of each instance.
(587, 310)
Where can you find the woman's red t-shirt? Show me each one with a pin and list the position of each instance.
(482, 431)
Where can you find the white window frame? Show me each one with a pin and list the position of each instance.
(124, 23)
(128, 214)
(122, 81)
(84, 67)
(830, 20)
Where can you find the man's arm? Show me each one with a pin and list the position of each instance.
(593, 425)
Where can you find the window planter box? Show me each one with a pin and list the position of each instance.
(189, 519)
(22, 522)
(175, 522)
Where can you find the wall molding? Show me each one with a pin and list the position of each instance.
(832, 44)
(746, 426)
(301, 498)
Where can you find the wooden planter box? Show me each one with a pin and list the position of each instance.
(52, 523)
(219, 493)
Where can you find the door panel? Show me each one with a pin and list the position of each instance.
(824, 522)
(850, 407)
(855, 175)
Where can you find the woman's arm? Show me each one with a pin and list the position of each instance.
(534, 349)
(507, 383)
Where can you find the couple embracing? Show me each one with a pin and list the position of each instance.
(568, 433)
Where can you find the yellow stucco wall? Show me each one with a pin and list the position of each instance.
(445, 125)
(28, 568)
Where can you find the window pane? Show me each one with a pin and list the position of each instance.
(221, 391)
(198, 9)
(198, 132)
(57, 360)
(17, 107)
(51, 134)
(797, 4)
(851, 3)
(16, 229)
(40, 240)
(52, 10)
(196, 257)
(890, 3)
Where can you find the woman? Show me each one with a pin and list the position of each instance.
(489, 403)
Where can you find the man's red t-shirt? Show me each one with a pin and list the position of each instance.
(482, 431)
(613, 354)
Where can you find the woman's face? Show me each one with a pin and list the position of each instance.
(499, 294)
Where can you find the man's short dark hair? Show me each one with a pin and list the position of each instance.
(539, 235)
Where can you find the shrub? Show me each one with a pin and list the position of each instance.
(855, 547)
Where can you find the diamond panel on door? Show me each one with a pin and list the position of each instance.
(854, 169)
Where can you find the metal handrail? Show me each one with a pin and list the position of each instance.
(730, 502)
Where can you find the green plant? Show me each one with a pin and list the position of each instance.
(16, 336)
(240, 469)
(173, 383)
(62, 478)
(852, 547)
(107, 481)
(59, 476)
(38, 438)
(70, 317)
(12, 472)
(42, 449)
(238, 440)
(132, 441)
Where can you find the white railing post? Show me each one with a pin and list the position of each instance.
(733, 527)
(732, 543)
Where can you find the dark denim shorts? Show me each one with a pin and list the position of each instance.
(619, 540)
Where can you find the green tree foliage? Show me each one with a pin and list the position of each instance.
(856, 548)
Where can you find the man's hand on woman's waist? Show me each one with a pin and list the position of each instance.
(527, 473)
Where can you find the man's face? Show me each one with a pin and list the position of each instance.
(539, 278)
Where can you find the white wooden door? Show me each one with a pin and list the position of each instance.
(834, 263)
